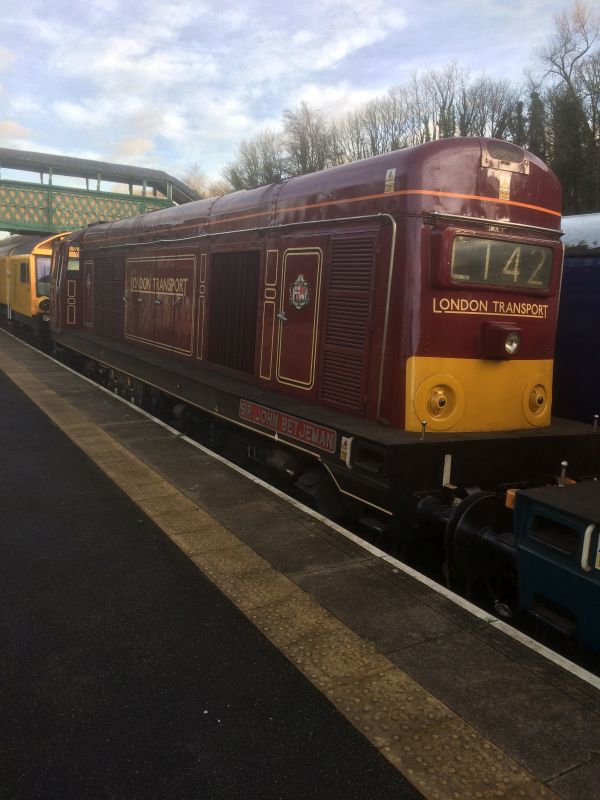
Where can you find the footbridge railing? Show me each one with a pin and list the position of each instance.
(45, 193)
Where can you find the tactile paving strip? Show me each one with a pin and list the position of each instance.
(444, 757)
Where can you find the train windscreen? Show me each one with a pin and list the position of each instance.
(42, 275)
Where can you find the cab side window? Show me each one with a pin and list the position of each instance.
(24, 272)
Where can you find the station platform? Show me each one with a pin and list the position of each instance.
(172, 628)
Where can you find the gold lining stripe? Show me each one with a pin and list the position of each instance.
(266, 376)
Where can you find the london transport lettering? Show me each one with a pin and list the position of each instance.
(292, 427)
(503, 308)
(146, 283)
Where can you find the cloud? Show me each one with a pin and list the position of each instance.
(134, 148)
(335, 99)
(11, 131)
(83, 115)
(6, 57)
(187, 82)
(22, 106)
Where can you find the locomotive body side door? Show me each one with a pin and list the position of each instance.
(298, 315)
(58, 251)
(73, 285)
(266, 335)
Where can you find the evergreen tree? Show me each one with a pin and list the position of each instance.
(571, 151)
(537, 140)
(517, 125)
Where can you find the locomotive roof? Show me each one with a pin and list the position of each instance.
(582, 233)
(580, 500)
(458, 176)
(19, 245)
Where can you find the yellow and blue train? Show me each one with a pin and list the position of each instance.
(25, 280)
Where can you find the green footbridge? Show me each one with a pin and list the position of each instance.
(44, 193)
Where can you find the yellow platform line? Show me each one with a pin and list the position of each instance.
(439, 753)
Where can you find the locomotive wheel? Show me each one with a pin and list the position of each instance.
(468, 554)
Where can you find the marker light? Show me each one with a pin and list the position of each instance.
(499, 339)
(512, 342)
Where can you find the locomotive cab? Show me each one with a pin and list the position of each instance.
(25, 270)
(488, 312)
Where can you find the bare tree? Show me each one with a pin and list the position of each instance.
(397, 117)
(196, 179)
(445, 87)
(308, 140)
(469, 101)
(259, 161)
(571, 64)
(492, 104)
(378, 127)
(350, 136)
(575, 35)
(420, 102)
(433, 101)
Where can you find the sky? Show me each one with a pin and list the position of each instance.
(170, 85)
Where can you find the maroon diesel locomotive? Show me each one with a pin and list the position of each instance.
(390, 322)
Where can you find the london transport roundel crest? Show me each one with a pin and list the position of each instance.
(299, 292)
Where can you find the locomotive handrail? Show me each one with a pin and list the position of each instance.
(260, 229)
(585, 550)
